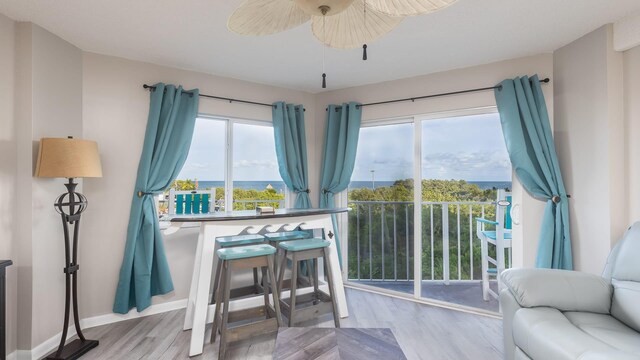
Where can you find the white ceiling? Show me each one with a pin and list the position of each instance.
(192, 34)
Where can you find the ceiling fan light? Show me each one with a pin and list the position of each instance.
(312, 7)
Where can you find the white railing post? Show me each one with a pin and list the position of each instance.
(433, 266)
(172, 201)
(459, 260)
(382, 237)
(471, 242)
(445, 243)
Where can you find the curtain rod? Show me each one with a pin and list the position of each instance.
(230, 100)
(499, 87)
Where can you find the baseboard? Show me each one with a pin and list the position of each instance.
(52, 343)
(21, 355)
(114, 318)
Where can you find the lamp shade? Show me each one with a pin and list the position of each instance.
(68, 158)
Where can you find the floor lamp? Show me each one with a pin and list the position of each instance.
(70, 158)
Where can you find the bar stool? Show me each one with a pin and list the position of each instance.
(235, 258)
(275, 238)
(321, 303)
(233, 241)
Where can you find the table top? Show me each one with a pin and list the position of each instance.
(342, 344)
(252, 215)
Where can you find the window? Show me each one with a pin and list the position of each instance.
(231, 161)
(256, 180)
(430, 176)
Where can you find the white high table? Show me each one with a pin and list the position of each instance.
(215, 225)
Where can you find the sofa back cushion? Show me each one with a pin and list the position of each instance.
(625, 278)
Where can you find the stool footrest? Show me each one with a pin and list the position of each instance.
(308, 306)
(244, 332)
(244, 291)
(246, 314)
(307, 312)
(301, 299)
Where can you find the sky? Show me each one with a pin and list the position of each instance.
(469, 148)
(254, 154)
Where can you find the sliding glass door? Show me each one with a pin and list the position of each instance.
(430, 176)
(381, 197)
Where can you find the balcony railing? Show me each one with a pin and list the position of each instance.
(381, 240)
(252, 204)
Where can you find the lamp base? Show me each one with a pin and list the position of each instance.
(74, 350)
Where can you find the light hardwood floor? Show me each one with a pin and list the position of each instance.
(424, 332)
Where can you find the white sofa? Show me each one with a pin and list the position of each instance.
(559, 314)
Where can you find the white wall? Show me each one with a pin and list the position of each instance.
(8, 173)
(589, 127)
(115, 109)
(48, 104)
(632, 129)
(468, 78)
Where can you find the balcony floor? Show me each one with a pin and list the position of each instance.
(461, 293)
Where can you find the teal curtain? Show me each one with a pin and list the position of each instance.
(527, 133)
(340, 145)
(291, 150)
(145, 271)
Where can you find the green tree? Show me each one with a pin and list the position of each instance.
(381, 229)
(183, 185)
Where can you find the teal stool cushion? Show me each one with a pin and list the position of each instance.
(289, 235)
(492, 235)
(237, 240)
(306, 244)
(244, 252)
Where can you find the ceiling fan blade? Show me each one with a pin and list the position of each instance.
(408, 7)
(348, 29)
(265, 17)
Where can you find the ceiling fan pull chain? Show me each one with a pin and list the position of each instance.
(364, 47)
(324, 46)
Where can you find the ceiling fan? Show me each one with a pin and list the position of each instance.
(344, 24)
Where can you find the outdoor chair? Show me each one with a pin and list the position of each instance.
(499, 238)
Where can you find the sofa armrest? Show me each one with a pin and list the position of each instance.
(560, 289)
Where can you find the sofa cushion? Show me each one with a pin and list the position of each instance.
(608, 355)
(520, 355)
(627, 266)
(625, 278)
(545, 333)
(625, 305)
(608, 330)
(559, 289)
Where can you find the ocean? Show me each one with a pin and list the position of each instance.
(484, 185)
(278, 185)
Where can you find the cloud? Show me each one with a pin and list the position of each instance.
(255, 163)
(467, 165)
(197, 166)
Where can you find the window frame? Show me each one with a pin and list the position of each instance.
(342, 198)
(228, 151)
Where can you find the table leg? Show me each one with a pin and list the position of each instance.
(336, 273)
(188, 317)
(205, 266)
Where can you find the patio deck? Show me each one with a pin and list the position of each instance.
(457, 292)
